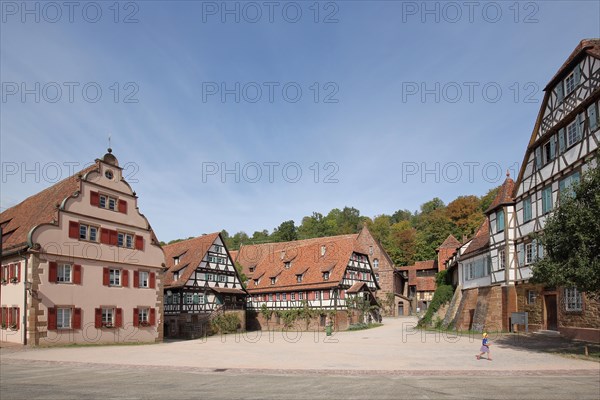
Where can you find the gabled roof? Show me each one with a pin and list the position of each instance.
(191, 252)
(307, 261)
(504, 195)
(586, 46)
(481, 240)
(450, 243)
(40, 208)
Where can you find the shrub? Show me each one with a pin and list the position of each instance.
(443, 294)
(226, 323)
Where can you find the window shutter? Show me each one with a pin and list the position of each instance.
(521, 254)
(579, 126)
(592, 117)
(98, 318)
(74, 230)
(18, 314)
(540, 251)
(4, 316)
(77, 274)
(94, 199)
(105, 277)
(52, 318)
(139, 243)
(52, 272)
(119, 317)
(76, 318)
(136, 279)
(113, 238)
(553, 147)
(11, 271)
(577, 75)
(123, 206)
(560, 93)
(561, 141)
(104, 236)
(2, 275)
(534, 249)
(136, 317)
(538, 158)
(152, 316)
(9, 311)
(342, 294)
(124, 278)
(152, 280)
(18, 267)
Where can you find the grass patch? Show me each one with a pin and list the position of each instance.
(362, 326)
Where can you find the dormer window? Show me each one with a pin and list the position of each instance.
(282, 254)
(325, 276)
(273, 281)
(323, 250)
(218, 248)
(255, 282)
(251, 269)
(299, 278)
(176, 260)
(287, 264)
(175, 275)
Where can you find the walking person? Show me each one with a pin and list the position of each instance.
(485, 348)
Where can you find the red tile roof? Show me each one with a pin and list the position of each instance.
(450, 243)
(305, 258)
(190, 253)
(481, 240)
(504, 195)
(40, 208)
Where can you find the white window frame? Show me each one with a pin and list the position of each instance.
(570, 84)
(572, 133)
(573, 299)
(284, 296)
(222, 278)
(300, 295)
(64, 317)
(273, 280)
(502, 259)
(531, 296)
(114, 277)
(325, 276)
(144, 279)
(108, 316)
(530, 253)
(292, 296)
(188, 298)
(500, 227)
(125, 240)
(299, 278)
(317, 295)
(61, 273)
(144, 315)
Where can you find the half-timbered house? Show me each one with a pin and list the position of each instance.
(81, 264)
(563, 145)
(201, 282)
(322, 274)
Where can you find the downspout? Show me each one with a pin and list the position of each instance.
(25, 282)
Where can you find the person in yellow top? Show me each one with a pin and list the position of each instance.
(485, 347)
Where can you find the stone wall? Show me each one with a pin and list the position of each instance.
(582, 325)
(453, 307)
(341, 321)
(535, 310)
(466, 307)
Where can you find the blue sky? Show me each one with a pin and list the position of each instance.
(361, 120)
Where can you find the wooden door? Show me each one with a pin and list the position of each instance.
(551, 312)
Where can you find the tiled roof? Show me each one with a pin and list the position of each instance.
(250, 255)
(40, 208)
(190, 253)
(481, 240)
(586, 46)
(504, 195)
(450, 243)
(306, 259)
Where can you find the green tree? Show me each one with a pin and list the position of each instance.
(401, 244)
(240, 271)
(571, 239)
(286, 232)
(401, 215)
(260, 236)
(380, 228)
(312, 227)
(466, 215)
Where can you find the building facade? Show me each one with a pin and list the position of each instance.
(562, 147)
(326, 275)
(201, 283)
(82, 264)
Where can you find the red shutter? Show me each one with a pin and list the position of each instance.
(139, 243)
(2, 275)
(98, 318)
(152, 280)
(53, 272)
(311, 295)
(119, 317)
(95, 199)
(105, 277)
(18, 322)
(113, 238)
(342, 294)
(136, 279)
(152, 316)
(52, 318)
(104, 236)
(77, 274)
(123, 206)
(136, 317)
(9, 316)
(18, 267)
(76, 318)
(4, 316)
(124, 278)
(74, 230)
(325, 294)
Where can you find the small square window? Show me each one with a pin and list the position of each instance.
(115, 277)
(531, 296)
(63, 318)
(64, 273)
(144, 279)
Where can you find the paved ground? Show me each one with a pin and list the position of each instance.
(391, 361)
